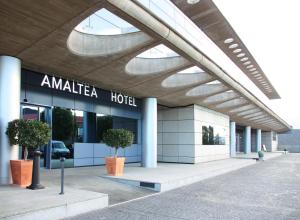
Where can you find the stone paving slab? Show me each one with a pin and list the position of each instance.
(169, 176)
(268, 190)
(267, 155)
(17, 203)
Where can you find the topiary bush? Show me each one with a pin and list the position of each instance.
(118, 138)
(28, 134)
(260, 154)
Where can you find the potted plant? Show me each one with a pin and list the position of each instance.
(28, 134)
(261, 155)
(117, 138)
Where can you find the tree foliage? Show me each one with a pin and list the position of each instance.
(28, 133)
(118, 138)
(62, 124)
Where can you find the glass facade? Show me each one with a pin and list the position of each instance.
(213, 135)
(31, 112)
(274, 136)
(71, 126)
(77, 121)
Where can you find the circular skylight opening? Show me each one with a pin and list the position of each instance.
(240, 55)
(103, 22)
(232, 46)
(186, 77)
(159, 51)
(228, 40)
(250, 66)
(253, 69)
(247, 63)
(244, 59)
(237, 50)
(192, 2)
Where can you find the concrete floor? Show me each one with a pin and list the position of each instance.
(89, 178)
(266, 190)
(168, 176)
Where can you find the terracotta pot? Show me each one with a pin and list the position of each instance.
(115, 165)
(21, 171)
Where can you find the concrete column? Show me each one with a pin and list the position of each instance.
(247, 149)
(89, 127)
(10, 89)
(149, 133)
(232, 139)
(258, 140)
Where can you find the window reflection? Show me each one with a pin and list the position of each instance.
(126, 123)
(78, 129)
(104, 122)
(213, 135)
(39, 113)
(30, 112)
(63, 130)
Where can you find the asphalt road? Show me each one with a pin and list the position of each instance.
(268, 190)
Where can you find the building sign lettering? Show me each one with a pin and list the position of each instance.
(86, 90)
(67, 86)
(123, 99)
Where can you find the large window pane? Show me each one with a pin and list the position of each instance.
(104, 122)
(30, 112)
(78, 129)
(126, 123)
(63, 130)
(213, 135)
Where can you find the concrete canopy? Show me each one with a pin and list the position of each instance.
(44, 47)
(210, 20)
(185, 79)
(207, 89)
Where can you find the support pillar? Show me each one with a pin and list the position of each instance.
(10, 89)
(232, 139)
(258, 140)
(247, 140)
(89, 127)
(149, 133)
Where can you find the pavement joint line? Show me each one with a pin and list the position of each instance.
(149, 212)
(156, 193)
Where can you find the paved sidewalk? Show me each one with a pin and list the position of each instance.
(47, 204)
(89, 178)
(267, 190)
(168, 176)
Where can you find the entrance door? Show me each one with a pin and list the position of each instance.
(40, 113)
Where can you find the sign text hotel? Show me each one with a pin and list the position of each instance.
(83, 89)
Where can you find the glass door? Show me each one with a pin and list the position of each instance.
(40, 113)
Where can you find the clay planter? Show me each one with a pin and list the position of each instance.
(21, 172)
(115, 165)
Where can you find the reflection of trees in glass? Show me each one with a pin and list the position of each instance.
(212, 136)
(103, 124)
(205, 135)
(126, 123)
(62, 125)
(217, 139)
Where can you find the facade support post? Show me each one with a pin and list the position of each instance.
(10, 91)
(258, 140)
(149, 133)
(232, 139)
(247, 140)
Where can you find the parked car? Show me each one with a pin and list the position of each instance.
(59, 149)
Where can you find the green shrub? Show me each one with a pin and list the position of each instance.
(118, 138)
(28, 133)
(260, 154)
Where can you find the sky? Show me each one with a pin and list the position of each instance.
(270, 29)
